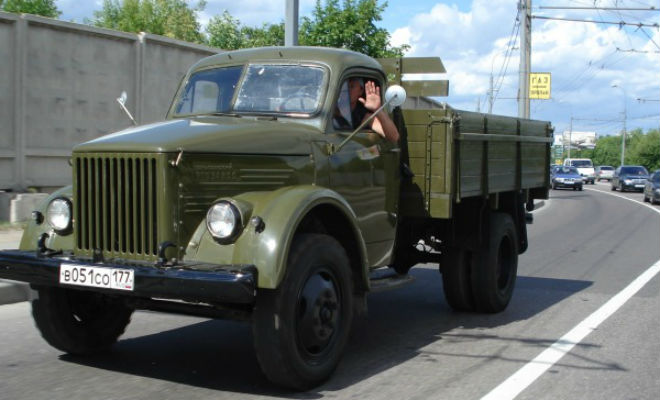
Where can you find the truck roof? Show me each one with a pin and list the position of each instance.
(333, 57)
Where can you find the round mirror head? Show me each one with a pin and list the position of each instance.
(395, 95)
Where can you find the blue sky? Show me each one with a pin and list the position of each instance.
(472, 37)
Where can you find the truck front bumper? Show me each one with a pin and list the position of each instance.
(192, 282)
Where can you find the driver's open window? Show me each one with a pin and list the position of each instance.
(349, 112)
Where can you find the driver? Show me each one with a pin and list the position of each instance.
(364, 100)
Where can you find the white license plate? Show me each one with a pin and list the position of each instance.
(639, 186)
(108, 278)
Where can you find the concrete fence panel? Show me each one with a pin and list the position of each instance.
(59, 82)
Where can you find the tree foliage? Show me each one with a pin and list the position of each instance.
(171, 18)
(641, 149)
(226, 32)
(350, 26)
(46, 8)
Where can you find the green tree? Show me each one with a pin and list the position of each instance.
(46, 8)
(350, 26)
(171, 18)
(644, 149)
(226, 32)
(607, 151)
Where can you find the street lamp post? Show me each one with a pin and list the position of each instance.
(625, 117)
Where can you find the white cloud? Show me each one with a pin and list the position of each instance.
(582, 58)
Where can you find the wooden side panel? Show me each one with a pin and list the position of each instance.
(429, 158)
(459, 154)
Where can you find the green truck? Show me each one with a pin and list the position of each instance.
(249, 202)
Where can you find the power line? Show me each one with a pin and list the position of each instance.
(635, 51)
(620, 23)
(598, 8)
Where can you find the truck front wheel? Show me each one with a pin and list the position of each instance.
(79, 322)
(301, 328)
(494, 269)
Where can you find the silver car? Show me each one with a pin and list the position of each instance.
(604, 172)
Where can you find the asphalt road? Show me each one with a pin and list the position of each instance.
(585, 248)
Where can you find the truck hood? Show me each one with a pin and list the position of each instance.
(224, 134)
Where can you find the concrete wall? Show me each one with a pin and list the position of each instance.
(58, 87)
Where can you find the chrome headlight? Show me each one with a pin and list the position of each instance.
(223, 220)
(628, 181)
(559, 179)
(657, 190)
(58, 215)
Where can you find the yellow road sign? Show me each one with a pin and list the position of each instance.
(539, 85)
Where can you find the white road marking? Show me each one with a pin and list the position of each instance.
(529, 373)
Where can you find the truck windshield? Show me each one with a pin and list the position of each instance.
(264, 88)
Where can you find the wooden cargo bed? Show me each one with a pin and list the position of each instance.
(457, 154)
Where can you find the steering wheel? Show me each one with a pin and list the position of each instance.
(298, 102)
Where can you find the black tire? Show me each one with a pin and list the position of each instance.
(494, 269)
(646, 199)
(580, 188)
(613, 188)
(79, 322)
(456, 278)
(299, 346)
(554, 186)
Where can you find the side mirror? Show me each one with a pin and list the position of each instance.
(122, 103)
(395, 95)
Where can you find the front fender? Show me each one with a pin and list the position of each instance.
(282, 211)
(33, 231)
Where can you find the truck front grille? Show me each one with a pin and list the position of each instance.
(115, 207)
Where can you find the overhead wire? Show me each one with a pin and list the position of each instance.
(511, 43)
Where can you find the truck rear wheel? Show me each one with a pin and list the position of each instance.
(456, 278)
(301, 328)
(494, 269)
(79, 322)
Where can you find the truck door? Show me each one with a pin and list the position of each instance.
(365, 172)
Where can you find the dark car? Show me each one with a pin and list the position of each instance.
(652, 188)
(566, 177)
(629, 177)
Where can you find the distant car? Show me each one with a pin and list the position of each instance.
(652, 188)
(566, 177)
(584, 166)
(629, 177)
(604, 172)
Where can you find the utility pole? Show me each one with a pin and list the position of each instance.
(625, 118)
(570, 137)
(291, 23)
(491, 95)
(525, 7)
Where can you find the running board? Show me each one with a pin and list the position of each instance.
(385, 279)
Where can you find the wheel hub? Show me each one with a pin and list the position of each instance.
(318, 313)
